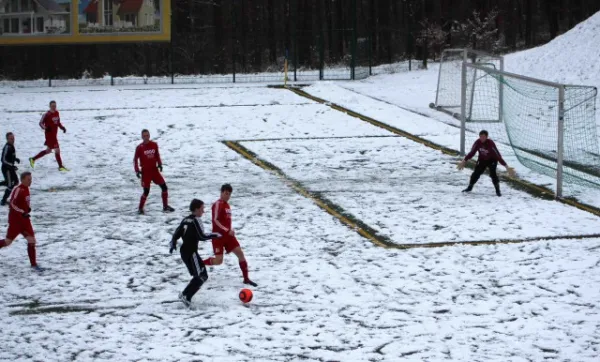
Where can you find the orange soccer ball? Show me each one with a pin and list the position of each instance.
(245, 295)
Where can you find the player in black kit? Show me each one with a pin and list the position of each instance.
(9, 169)
(191, 231)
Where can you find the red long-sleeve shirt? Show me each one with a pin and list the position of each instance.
(487, 152)
(221, 217)
(19, 203)
(50, 122)
(147, 154)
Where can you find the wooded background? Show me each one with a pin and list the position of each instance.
(222, 36)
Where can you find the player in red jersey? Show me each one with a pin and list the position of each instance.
(221, 223)
(18, 219)
(489, 156)
(147, 154)
(50, 123)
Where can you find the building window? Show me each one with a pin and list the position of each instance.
(14, 25)
(26, 26)
(39, 24)
(6, 25)
(130, 18)
(108, 12)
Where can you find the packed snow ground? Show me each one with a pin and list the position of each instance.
(325, 292)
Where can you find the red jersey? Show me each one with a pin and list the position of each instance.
(221, 217)
(148, 156)
(51, 123)
(487, 152)
(19, 203)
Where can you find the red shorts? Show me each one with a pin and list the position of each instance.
(51, 143)
(151, 176)
(22, 227)
(225, 243)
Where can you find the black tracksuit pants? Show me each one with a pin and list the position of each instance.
(11, 179)
(197, 270)
(480, 169)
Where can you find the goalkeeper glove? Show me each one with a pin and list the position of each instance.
(214, 235)
(17, 160)
(138, 174)
(461, 165)
(160, 168)
(511, 171)
(64, 130)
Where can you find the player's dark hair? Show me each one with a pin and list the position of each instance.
(145, 130)
(484, 132)
(25, 174)
(52, 102)
(196, 204)
(226, 187)
(8, 134)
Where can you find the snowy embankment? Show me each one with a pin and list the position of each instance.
(325, 292)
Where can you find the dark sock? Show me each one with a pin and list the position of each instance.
(208, 261)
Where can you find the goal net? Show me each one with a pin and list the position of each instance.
(551, 127)
(448, 95)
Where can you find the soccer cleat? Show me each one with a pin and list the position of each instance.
(184, 300)
(468, 189)
(37, 269)
(141, 211)
(497, 187)
(31, 162)
(63, 169)
(250, 282)
(168, 209)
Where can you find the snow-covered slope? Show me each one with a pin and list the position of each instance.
(571, 58)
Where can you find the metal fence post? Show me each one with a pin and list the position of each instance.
(463, 108)
(501, 92)
(353, 44)
(560, 148)
(171, 70)
(233, 38)
(321, 55)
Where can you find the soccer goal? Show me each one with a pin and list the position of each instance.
(550, 126)
(448, 95)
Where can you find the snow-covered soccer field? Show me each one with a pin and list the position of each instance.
(325, 292)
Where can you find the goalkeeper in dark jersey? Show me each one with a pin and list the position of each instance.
(191, 231)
